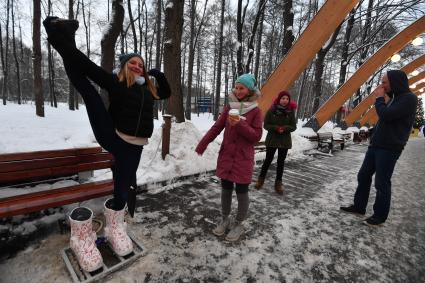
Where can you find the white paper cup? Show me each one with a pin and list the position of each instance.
(234, 113)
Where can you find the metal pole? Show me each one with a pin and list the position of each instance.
(166, 130)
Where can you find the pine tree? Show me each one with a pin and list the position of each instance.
(419, 119)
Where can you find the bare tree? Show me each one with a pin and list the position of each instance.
(172, 55)
(110, 38)
(239, 27)
(133, 27)
(71, 89)
(158, 48)
(319, 66)
(2, 64)
(36, 43)
(5, 59)
(192, 47)
(15, 56)
(219, 63)
(261, 7)
(288, 24)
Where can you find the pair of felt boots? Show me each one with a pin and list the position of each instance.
(83, 238)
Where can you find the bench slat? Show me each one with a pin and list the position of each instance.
(22, 204)
(54, 171)
(49, 153)
(16, 166)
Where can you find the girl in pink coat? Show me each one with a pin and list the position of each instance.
(235, 162)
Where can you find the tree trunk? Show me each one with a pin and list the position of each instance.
(239, 27)
(133, 27)
(364, 50)
(71, 89)
(4, 97)
(109, 39)
(261, 7)
(38, 84)
(219, 63)
(288, 23)
(158, 47)
(15, 56)
(258, 48)
(319, 66)
(344, 56)
(5, 61)
(172, 57)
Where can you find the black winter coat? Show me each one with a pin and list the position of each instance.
(395, 119)
(131, 108)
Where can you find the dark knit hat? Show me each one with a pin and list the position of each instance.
(125, 57)
(291, 105)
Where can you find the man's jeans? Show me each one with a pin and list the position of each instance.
(380, 162)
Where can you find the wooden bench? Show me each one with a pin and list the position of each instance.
(325, 140)
(341, 139)
(39, 166)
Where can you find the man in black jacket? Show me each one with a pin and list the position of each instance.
(389, 137)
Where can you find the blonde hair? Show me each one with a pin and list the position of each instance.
(126, 75)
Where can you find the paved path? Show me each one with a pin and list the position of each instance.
(298, 237)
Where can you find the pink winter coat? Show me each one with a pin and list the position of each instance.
(236, 156)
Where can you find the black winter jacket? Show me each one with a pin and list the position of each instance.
(395, 119)
(131, 108)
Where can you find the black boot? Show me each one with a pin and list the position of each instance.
(60, 31)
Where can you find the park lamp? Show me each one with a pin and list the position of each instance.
(417, 41)
(395, 58)
(415, 73)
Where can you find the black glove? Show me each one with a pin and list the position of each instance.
(155, 73)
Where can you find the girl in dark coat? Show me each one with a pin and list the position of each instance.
(235, 162)
(122, 130)
(279, 122)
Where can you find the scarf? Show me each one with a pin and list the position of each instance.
(244, 106)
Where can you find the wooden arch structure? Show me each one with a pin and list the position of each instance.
(330, 15)
(363, 73)
(364, 105)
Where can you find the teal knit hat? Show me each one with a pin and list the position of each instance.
(247, 80)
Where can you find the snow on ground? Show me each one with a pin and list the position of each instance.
(298, 237)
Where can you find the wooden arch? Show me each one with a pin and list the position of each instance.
(330, 15)
(417, 78)
(363, 73)
(364, 105)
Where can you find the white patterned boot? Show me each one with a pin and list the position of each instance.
(83, 239)
(116, 230)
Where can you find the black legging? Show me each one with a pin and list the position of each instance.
(126, 155)
(281, 156)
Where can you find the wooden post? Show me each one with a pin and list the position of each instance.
(166, 130)
(363, 73)
(318, 31)
(364, 105)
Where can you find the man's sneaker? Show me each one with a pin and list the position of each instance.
(374, 221)
(236, 232)
(221, 228)
(352, 209)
